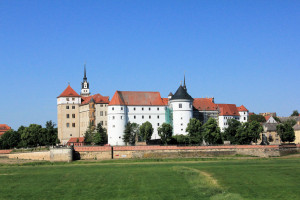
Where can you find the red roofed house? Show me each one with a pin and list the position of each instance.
(204, 108)
(76, 141)
(3, 129)
(76, 112)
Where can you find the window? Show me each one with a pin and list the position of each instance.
(142, 116)
(149, 108)
(121, 108)
(70, 134)
(101, 105)
(68, 99)
(101, 113)
(134, 117)
(149, 116)
(114, 126)
(244, 113)
(105, 113)
(113, 108)
(73, 115)
(68, 116)
(73, 107)
(68, 125)
(105, 123)
(73, 99)
(67, 107)
(73, 124)
(113, 117)
(157, 108)
(181, 129)
(121, 117)
(244, 118)
(133, 108)
(180, 105)
(101, 122)
(157, 116)
(157, 124)
(181, 124)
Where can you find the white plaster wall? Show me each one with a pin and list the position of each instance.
(181, 116)
(63, 100)
(223, 121)
(243, 116)
(116, 124)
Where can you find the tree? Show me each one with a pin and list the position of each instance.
(230, 133)
(212, 133)
(277, 119)
(51, 133)
(33, 135)
(165, 132)
(194, 129)
(258, 118)
(286, 132)
(249, 132)
(146, 131)
(181, 139)
(295, 113)
(100, 137)
(89, 134)
(130, 133)
(10, 139)
(254, 130)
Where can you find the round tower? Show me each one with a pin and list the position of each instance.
(182, 105)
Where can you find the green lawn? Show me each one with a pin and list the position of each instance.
(275, 178)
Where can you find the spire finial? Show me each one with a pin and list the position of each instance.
(84, 70)
(184, 86)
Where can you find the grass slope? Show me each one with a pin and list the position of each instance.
(215, 179)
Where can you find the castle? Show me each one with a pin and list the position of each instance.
(76, 112)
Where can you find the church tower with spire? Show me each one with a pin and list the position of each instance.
(85, 89)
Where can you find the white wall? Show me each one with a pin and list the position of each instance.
(243, 116)
(72, 100)
(223, 121)
(116, 124)
(181, 116)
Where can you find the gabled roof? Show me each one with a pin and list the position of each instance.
(267, 118)
(181, 93)
(204, 104)
(98, 98)
(132, 98)
(228, 110)
(165, 101)
(3, 128)
(242, 108)
(74, 140)
(69, 92)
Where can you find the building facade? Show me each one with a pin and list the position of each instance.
(75, 113)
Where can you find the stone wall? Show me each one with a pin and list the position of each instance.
(41, 155)
(61, 154)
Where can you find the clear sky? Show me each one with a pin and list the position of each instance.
(240, 52)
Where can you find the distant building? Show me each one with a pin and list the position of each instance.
(270, 119)
(297, 132)
(3, 129)
(273, 114)
(76, 112)
(76, 141)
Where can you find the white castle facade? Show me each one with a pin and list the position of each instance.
(77, 112)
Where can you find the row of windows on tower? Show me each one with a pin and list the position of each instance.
(113, 108)
(115, 125)
(68, 99)
(68, 107)
(68, 125)
(68, 115)
(134, 117)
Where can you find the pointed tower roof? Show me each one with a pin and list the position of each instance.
(242, 108)
(84, 77)
(181, 93)
(170, 94)
(69, 92)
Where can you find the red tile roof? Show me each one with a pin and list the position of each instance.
(98, 98)
(204, 104)
(4, 128)
(74, 140)
(242, 108)
(165, 101)
(131, 98)
(267, 117)
(228, 110)
(69, 92)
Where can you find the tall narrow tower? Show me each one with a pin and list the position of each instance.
(85, 90)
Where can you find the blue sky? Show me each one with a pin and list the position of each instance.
(241, 52)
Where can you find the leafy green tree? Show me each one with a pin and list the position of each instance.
(258, 118)
(146, 131)
(254, 130)
(100, 137)
(249, 132)
(286, 132)
(291, 122)
(165, 132)
(181, 139)
(130, 133)
(295, 113)
(10, 139)
(89, 134)
(33, 135)
(212, 133)
(230, 133)
(194, 129)
(51, 133)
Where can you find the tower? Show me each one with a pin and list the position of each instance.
(68, 103)
(85, 89)
(182, 105)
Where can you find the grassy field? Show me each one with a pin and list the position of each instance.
(214, 179)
